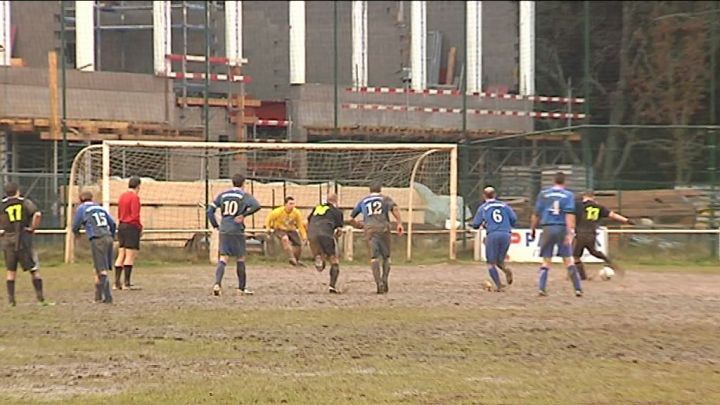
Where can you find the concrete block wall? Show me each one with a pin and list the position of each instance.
(266, 42)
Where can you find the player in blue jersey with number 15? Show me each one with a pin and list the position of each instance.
(498, 219)
(234, 204)
(555, 213)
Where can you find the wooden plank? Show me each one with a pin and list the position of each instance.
(450, 74)
(54, 97)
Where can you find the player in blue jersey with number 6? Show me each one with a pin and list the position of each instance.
(498, 219)
(555, 213)
(234, 204)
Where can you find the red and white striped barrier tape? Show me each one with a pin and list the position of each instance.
(272, 123)
(508, 113)
(442, 92)
(215, 60)
(213, 77)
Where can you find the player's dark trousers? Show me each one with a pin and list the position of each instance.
(586, 241)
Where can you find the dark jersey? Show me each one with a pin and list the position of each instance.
(232, 203)
(375, 209)
(16, 215)
(96, 220)
(323, 220)
(589, 216)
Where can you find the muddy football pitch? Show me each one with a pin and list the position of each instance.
(437, 337)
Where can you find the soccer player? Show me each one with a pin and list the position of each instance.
(376, 209)
(287, 223)
(100, 230)
(555, 212)
(128, 232)
(325, 222)
(588, 216)
(18, 220)
(498, 218)
(234, 204)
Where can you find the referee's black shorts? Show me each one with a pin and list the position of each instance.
(129, 236)
(323, 244)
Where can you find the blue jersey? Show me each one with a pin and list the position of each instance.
(552, 205)
(496, 216)
(375, 209)
(232, 204)
(96, 220)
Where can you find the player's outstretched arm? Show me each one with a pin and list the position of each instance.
(78, 220)
(619, 218)
(396, 213)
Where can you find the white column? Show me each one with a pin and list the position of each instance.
(297, 42)
(418, 45)
(162, 36)
(527, 48)
(474, 46)
(5, 40)
(233, 32)
(359, 44)
(85, 35)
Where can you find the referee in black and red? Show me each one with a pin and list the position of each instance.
(128, 233)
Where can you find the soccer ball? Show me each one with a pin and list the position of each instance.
(606, 273)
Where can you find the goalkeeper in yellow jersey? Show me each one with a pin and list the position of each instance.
(288, 224)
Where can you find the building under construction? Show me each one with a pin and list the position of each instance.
(79, 72)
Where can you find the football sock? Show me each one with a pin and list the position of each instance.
(581, 270)
(11, 291)
(543, 278)
(105, 288)
(108, 290)
(241, 274)
(219, 272)
(334, 273)
(118, 274)
(38, 284)
(128, 272)
(494, 276)
(375, 265)
(98, 290)
(572, 271)
(386, 270)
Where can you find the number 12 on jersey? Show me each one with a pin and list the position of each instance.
(373, 207)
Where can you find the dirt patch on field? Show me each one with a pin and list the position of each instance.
(174, 330)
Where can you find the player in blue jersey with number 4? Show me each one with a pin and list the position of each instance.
(555, 213)
(498, 219)
(234, 204)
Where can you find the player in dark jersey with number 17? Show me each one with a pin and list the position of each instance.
(589, 213)
(376, 209)
(234, 204)
(19, 218)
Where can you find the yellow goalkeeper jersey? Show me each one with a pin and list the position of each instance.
(286, 221)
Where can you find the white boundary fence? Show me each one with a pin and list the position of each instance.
(526, 250)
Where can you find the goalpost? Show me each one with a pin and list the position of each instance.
(179, 179)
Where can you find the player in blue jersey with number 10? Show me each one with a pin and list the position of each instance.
(234, 204)
(498, 219)
(555, 213)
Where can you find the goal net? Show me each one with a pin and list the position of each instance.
(179, 179)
